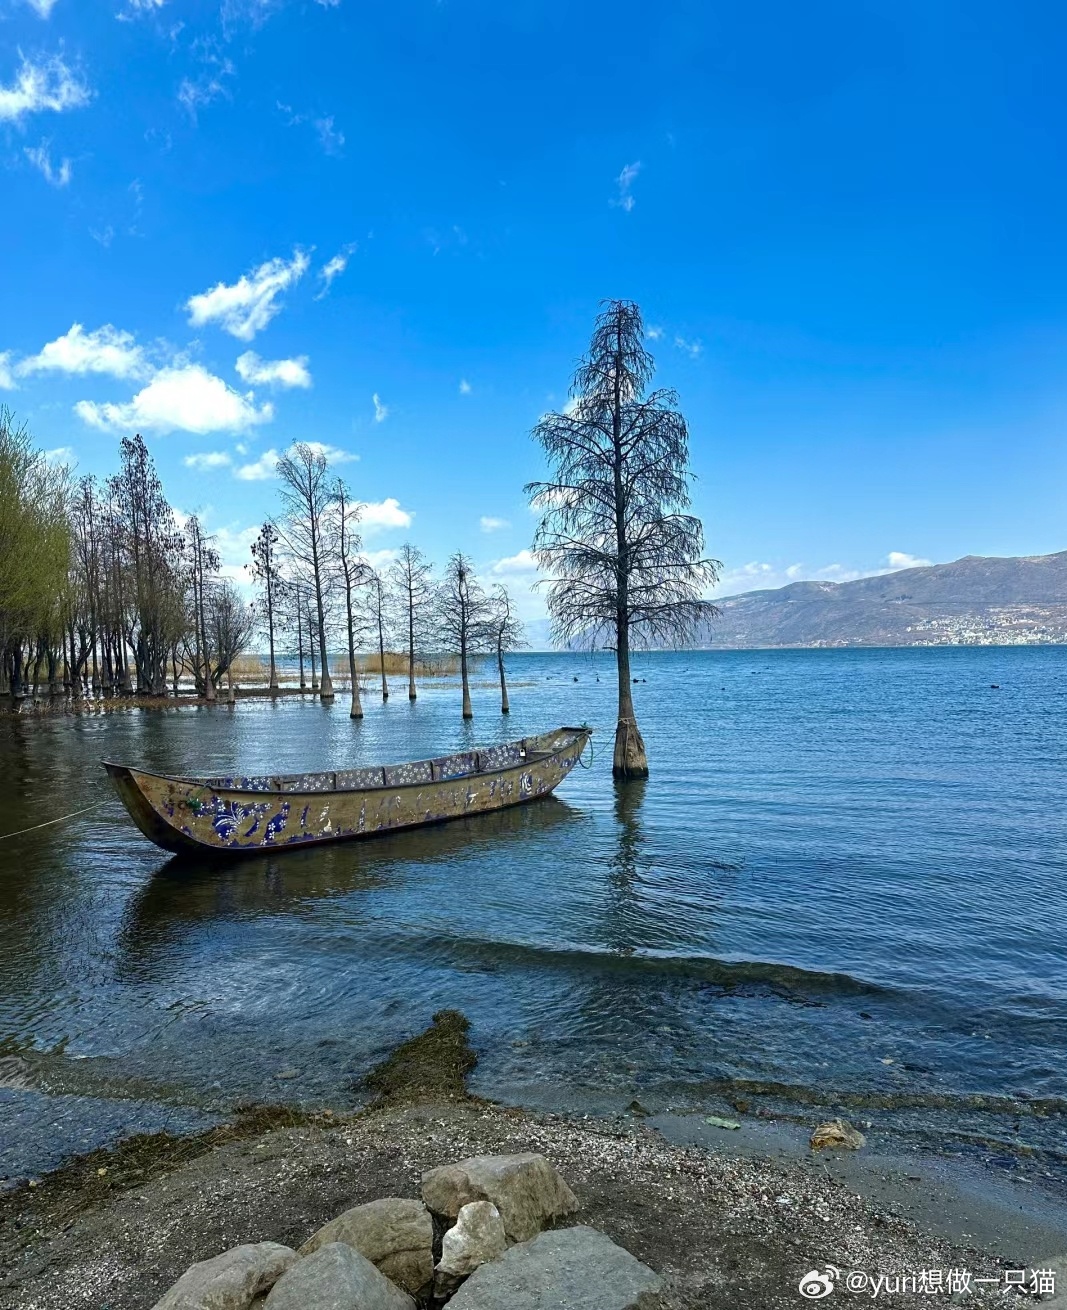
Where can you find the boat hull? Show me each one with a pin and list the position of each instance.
(247, 816)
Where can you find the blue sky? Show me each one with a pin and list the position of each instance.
(387, 228)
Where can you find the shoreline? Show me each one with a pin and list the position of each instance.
(725, 1225)
(727, 1216)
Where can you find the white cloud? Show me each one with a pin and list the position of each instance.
(761, 576)
(691, 348)
(333, 268)
(7, 376)
(265, 468)
(247, 306)
(49, 84)
(379, 560)
(490, 524)
(380, 516)
(523, 562)
(202, 462)
(40, 158)
(107, 351)
(61, 455)
(261, 470)
(899, 559)
(194, 93)
(273, 372)
(464, 387)
(624, 200)
(381, 412)
(333, 453)
(331, 138)
(653, 333)
(44, 7)
(184, 397)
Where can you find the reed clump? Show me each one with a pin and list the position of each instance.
(249, 668)
(396, 665)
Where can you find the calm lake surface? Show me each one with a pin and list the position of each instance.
(844, 885)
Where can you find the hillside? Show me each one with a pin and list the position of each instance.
(972, 601)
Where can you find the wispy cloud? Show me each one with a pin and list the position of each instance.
(381, 412)
(523, 562)
(333, 268)
(260, 470)
(464, 387)
(760, 575)
(692, 348)
(43, 7)
(247, 306)
(266, 467)
(490, 524)
(624, 198)
(107, 351)
(183, 398)
(210, 84)
(331, 138)
(46, 85)
(7, 376)
(273, 372)
(653, 333)
(205, 461)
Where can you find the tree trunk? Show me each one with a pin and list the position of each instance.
(311, 656)
(273, 685)
(505, 708)
(468, 713)
(300, 650)
(411, 692)
(381, 652)
(356, 712)
(630, 760)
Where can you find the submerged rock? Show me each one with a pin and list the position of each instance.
(231, 1280)
(476, 1238)
(336, 1277)
(526, 1189)
(836, 1133)
(572, 1267)
(395, 1235)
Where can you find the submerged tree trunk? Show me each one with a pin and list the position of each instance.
(412, 693)
(630, 760)
(505, 708)
(468, 713)
(381, 646)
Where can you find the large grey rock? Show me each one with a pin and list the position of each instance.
(336, 1277)
(475, 1238)
(571, 1267)
(526, 1189)
(396, 1234)
(229, 1281)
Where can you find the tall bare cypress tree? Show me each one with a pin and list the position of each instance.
(413, 592)
(264, 568)
(462, 614)
(625, 562)
(308, 498)
(352, 574)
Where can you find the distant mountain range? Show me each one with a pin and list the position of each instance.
(972, 601)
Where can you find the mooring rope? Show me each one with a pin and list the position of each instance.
(48, 823)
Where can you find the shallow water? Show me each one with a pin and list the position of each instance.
(843, 885)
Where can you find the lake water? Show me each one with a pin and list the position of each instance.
(843, 888)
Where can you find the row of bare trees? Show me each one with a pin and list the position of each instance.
(106, 589)
(317, 589)
(101, 588)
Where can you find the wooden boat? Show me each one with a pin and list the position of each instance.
(244, 815)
